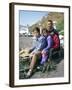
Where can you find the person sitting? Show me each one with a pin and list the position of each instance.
(36, 50)
(55, 36)
(45, 51)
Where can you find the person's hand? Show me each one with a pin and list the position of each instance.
(43, 51)
(31, 54)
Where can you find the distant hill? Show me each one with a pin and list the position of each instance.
(54, 16)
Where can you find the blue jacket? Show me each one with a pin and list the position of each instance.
(49, 43)
(39, 44)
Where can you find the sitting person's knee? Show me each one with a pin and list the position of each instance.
(35, 55)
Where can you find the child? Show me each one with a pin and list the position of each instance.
(45, 51)
(36, 50)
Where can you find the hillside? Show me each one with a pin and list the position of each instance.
(54, 16)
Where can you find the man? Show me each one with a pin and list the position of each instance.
(35, 51)
(55, 36)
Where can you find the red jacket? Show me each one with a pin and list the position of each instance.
(56, 40)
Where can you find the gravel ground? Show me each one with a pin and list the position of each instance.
(25, 42)
(59, 72)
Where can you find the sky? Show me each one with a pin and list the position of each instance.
(30, 17)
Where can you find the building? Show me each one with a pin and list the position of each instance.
(23, 29)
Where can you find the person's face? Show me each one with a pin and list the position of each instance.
(36, 34)
(45, 33)
(50, 25)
